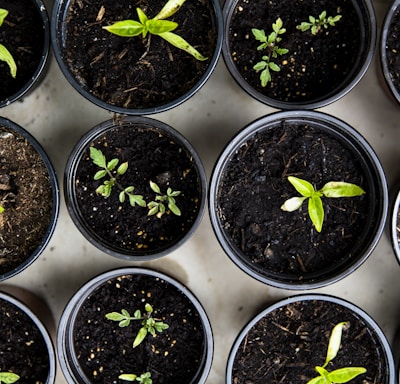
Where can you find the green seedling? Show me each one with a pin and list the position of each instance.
(270, 43)
(1, 209)
(156, 26)
(332, 189)
(8, 377)
(5, 54)
(317, 24)
(144, 378)
(113, 170)
(150, 325)
(157, 207)
(341, 375)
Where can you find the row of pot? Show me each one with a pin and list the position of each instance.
(131, 76)
(100, 338)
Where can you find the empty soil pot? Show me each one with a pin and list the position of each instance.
(26, 348)
(25, 33)
(250, 183)
(152, 152)
(29, 199)
(307, 71)
(92, 348)
(135, 75)
(287, 340)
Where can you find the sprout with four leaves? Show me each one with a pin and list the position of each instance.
(317, 24)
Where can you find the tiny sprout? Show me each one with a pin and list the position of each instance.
(144, 378)
(8, 377)
(108, 167)
(5, 54)
(156, 26)
(149, 324)
(317, 24)
(332, 189)
(270, 43)
(341, 375)
(157, 207)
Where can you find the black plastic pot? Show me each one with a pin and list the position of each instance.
(59, 37)
(129, 298)
(29, 355)
(295, 274)
(362, 58)
(297, 332)
(31, 80)
(10, 125)
(389, 66)
(166, 141)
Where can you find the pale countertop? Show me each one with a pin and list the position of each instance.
(57, 116)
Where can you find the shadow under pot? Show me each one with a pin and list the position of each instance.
(136, 188)
(25, 45)
(29, 199)
(26, 347)
(104, 331)
(288, 340)
(282, 59)
(389, 48)
(142, 73)
(280, 202)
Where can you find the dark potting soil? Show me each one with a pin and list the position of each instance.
(135, 72)
(22, 33)
(150, 156)
(393, 50)
(105, 350)
(286, 345)
(23, 349)
(254, 186)
(26, 196)
(316, 65)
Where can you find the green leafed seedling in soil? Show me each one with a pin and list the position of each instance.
(5, 54)
(157, 207)
(333, 189)
(341, 375)
(158, 26)
(317, 24)
(150, 325)
(144, 378)
(270, 43)
(8, 377)
(112, 170)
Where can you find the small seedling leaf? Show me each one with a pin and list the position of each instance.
(302, 186)
(127, 377)
(181, 43)
(154, 187)
(274, 67)
(142, 17)
(259, 34)
(157, 27)
(122, 197)
(8, 377)
(115, 316)
(316, 211)
(6, 56)
(344, 375)
(334, 342)
(3, 15)
(98, 158)
(148, 308)
(112, 164)
(260, 66)
(293, 204)
(265, 77)
(169, 9)
(100, 174)
(341, 189)
(140, 337)
(174, 209)
(125, 28)
(137, 314)
(122, 168)
(159, 326)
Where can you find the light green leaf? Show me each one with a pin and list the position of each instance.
(155, 187)
(136, 199)
(259, 35)
(122, 168)
(98, 158)
(3, 15)
(334, 342)
(316, 211)
(344, 375)
(122, 197)
(169, 9)
(265, 77)
(341, 189)
(322, 15)
(260, 66)
(127, 377)
(277, 25)
(125, 28)
(293, 204)
(112, 164)
(1, 209)
(6, 56)
(100, 174)
(137, 314)
(160, 326)
(140, 337)
(180, 43)
(174, 209)
(322, 371)
(115, 316)
(129, 189)
(8, 377)
(142, 16)
(302, 186)
(274, 67)
(148, 308)
(157, 27)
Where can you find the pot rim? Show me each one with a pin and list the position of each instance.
(371, 323)
(342, 131)
(55, 197)
(43, 331)
(394, 223)
(67, 360)
(69, 186)
(58, 39)
(369, 37)
(43, 61)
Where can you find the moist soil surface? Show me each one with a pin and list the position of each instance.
(23, 349)
(150, 156)
(393, 49)
(287, 343)
(136, 73)
(254, 186)
(105, 350)
(22, 33)
(26, 196)
(315, 66)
